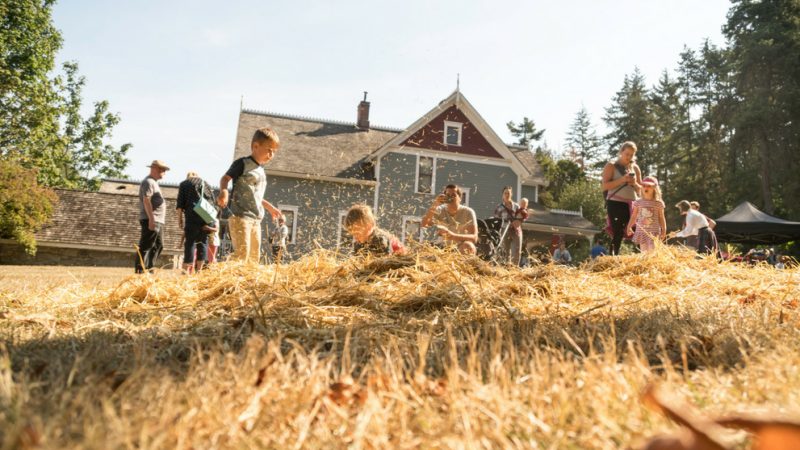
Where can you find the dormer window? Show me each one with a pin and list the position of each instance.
(452, 133)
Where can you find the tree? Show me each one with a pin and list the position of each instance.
(765, 50)
(559, 173)
(584, 195)
(525, 132)
(582, 140)
(629, 118)
(24, 204)
(40, 122)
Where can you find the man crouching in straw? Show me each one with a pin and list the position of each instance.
(455, 222)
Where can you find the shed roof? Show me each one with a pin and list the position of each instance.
(103, 220)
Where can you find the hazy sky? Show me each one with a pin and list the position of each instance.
(176, 70)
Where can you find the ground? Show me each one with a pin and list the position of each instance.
(429, 350)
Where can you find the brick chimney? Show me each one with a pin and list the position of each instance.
(363, 114)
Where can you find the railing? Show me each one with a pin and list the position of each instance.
(567, 212)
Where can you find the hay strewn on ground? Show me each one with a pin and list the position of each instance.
(429, 350)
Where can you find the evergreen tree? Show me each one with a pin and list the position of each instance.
(525, 132)
(583, 142)
(629, 118)
(765, 49)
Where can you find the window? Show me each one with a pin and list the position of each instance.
(452, 133)
(412, 229)
(465, 193)
(425, 174)
(343, 238)
(290, 213)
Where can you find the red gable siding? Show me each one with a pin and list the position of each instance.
(431, 136)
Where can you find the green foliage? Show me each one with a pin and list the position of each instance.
(40, 121)
(24, 204)
(630, 118)
(525, 132)
(560, 173)
(586, 195)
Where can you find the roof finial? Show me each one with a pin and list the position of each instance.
(365, 95)
(241, 103)
(458, 82)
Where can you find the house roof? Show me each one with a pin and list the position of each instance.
(100, 220)
(314, 146)
(131, 187)
(543, 216)
(528, 159)
(458, 101)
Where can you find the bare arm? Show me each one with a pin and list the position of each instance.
(631, 222)
(663, 221)
(148, 209)
(427, 219)
(471, 235)
(273, 211)
(607, 183)
(637, 184)
(222, 200)
(711, 223)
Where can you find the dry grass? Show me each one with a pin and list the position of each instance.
(427, 351)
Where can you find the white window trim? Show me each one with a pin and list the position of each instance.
(458, 125)
(469, 195)
(407, 219)
(295, 210)
(342, 215)
(433, 175)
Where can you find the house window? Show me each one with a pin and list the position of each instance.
(452, 133)
(465, 194)
(412, 229)
(426, 167)
(290, 213)
(343, 238)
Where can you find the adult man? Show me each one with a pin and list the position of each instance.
(455, 222)
(152, 212)
(561, 255)
(278, 240)
(195, 229)
(247, 199)
(696, 223)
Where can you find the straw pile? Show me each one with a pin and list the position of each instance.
(428, 350)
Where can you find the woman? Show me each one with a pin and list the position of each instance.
(506, 211)
(622, 184)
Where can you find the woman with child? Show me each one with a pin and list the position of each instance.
(514, 214)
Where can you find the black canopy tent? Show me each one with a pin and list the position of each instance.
(746, 224)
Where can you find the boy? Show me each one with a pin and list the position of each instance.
(247, 200)
(360, 223)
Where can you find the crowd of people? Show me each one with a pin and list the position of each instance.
(634, 205)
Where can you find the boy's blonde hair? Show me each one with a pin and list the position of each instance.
(695, 205)
(359, 214)
(266, 134)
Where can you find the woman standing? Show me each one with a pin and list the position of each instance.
(622, 184)
(506, 211)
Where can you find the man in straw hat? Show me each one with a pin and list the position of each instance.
(152, 212)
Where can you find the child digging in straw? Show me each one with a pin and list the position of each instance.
(360, 223)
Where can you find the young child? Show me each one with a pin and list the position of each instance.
(520, 215)
(648, 215)
(360, 223)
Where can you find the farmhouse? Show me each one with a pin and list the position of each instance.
(325, 166)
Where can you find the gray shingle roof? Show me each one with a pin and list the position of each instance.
(314, 146)
(101, 219)
(543, 216)
(528, 159)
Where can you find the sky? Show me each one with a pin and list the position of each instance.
(177, 72)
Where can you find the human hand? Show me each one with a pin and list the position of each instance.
(663, 236)
(222, 199)
(629, 231)
(440, 200)
(151, 225)
(443, 232)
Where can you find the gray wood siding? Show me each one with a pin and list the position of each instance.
(397, 198)
(318, 203)
(529, 192)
